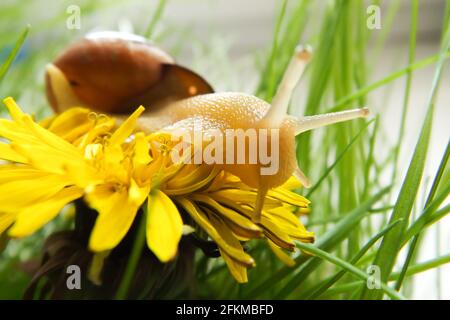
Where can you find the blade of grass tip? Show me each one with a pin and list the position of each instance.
(155, 18)
(327, 242)
(12, 55)
(432, 193)
(338, 158)
(348, 267)
(387, 254)
(391, 77)
(268, 71)
(324, 286)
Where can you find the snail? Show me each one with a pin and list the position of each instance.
(114, 73)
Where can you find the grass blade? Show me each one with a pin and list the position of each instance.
(155, 18)
(338, 158)
(12, 55)
(430, 198)
(320, 67)
(268, 72)
(393, 76)
(391, 245)
(438, 215)
(412, 270)
(411, 57)
(429, 214)
(324, 286)
(347, 267)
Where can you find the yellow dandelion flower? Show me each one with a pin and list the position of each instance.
(49, 172)
(80, 154)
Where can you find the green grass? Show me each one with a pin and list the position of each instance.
(7, 64)
(359, 219)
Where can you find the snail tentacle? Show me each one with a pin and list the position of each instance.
(313, 122)
(294, 71)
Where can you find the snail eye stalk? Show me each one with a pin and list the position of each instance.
(292, 75)
(313, 122)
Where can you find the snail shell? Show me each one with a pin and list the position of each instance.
(114, 72)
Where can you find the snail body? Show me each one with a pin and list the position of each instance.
(113, 73)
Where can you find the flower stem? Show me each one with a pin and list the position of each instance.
(133, 260)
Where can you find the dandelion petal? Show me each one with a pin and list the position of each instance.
(164, 226)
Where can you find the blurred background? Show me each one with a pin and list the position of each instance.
(227, 41)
